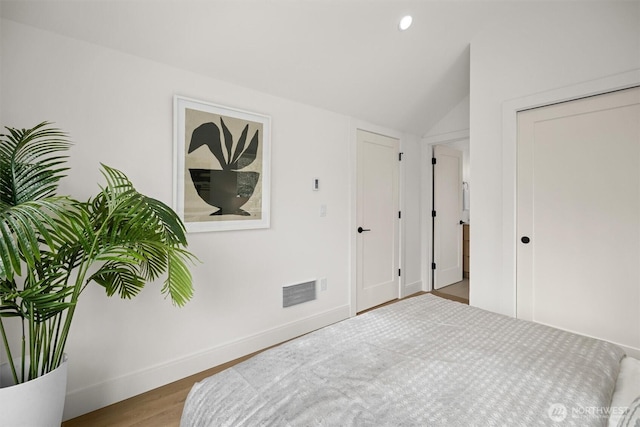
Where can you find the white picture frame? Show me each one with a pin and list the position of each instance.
(222, 167)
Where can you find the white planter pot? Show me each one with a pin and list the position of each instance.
(36, 403)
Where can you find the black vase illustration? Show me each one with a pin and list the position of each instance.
(228, 188)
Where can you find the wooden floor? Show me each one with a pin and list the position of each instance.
(156, 408)
(162, 407)
(457, 292)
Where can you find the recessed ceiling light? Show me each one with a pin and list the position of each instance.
(405, 22)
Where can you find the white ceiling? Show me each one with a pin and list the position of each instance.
(346, 56)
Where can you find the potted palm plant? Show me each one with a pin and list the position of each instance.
(52, 247)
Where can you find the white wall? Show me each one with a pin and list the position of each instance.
(535, 48)
(456, 120)
(453, 131)
(118, 110)
(412, 251)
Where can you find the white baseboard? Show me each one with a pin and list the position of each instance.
(412, 288)
(82, 401)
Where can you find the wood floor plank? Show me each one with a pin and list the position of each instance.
(451, 297)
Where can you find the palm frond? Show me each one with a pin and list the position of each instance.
(30, 163)
(155, 263)
(119, 277)
(44, 302)
(24, 227)
(10, 294)
(30, 168)
(139, 239)
(178, 283)
(169, 223)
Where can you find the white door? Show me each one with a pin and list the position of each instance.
(447, 207)
(578, 216)
(377, 217)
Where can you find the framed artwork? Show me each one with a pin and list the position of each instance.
(221, 166)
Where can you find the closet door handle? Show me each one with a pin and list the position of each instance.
(360, 229)
(525, 239)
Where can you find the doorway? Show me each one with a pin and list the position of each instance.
(377, 207)
(451, 219)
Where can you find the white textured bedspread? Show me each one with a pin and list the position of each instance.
(424, 361)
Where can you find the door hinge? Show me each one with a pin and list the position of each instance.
(399, 272)
(400, 156)
(433, 265)
(433, 161)
(433, 214)
(399, 214)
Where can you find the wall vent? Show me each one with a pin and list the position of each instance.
(297, 294)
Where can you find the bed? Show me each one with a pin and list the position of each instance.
(424, 361)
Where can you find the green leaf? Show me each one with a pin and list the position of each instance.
(29, 163)
(23, 227)
(120, 278)
(43, 299)
(138, 239)
(178, 283)
(30, 169)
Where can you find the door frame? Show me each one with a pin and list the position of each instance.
(427, 197)
(354, 126)
(510, 110)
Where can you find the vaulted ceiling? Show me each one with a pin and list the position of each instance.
(346, 56)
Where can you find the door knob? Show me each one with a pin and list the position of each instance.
(525, 239)
(360, 229)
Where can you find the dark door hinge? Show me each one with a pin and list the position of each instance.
(433, 265)
(433, 214)
(400, 156)
(433, 161)
(399, 272)
(399, 214)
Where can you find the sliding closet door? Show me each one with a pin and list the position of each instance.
(578, 216)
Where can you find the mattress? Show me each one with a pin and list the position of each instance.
(421, 361)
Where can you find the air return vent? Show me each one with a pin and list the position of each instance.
(297, 294)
